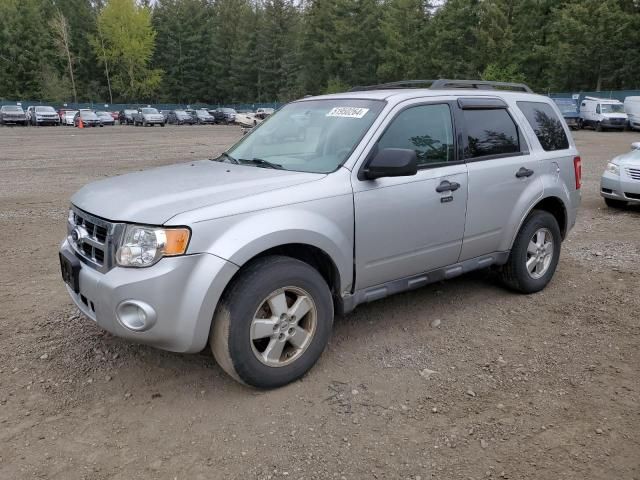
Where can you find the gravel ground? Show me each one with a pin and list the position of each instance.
(461, 379)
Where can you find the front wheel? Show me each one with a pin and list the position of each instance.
(534, 255)
(273, 323)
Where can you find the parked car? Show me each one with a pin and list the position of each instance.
(248, 120)
(12, 115)
(632, 109)
(620, 182)
(254, 251)
(88, 117)
(43, 115)
(115, 116)
(224, 115)
(263, 113)
(148, 116)
(180, 117)
(569, 111)
(203, 117)
(165, 114)
(105, 118)
(602, 114)
(68, 117)
(125, 117)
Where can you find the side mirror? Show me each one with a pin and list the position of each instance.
(635, 146)
(392, 162)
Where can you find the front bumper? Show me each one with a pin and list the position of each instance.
(14, 119)
(609, 123)
(183, 292)
(620, 187)
(155, 121)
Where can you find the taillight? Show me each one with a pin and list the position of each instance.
(577, 170)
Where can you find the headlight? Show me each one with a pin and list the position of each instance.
(613, 169)
(144, 246)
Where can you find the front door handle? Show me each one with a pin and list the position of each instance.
(447, 186)
(524, 172)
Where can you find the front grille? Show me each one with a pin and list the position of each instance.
(634, 173)
(93, 239)
(634, 196)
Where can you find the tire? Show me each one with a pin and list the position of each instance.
(613, 203)
(163, 124)
(515, 274)
(243, 356)
(599, 127)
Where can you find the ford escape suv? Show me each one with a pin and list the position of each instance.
(333, 201)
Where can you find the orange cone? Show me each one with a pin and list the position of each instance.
(80, 125)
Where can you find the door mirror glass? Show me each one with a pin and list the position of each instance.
(392, 162)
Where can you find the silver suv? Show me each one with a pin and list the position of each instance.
(333, 201)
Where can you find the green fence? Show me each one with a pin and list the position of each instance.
(611, 94)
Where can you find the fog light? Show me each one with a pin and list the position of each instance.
(136, 315)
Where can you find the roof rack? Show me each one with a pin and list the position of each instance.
(443, 84)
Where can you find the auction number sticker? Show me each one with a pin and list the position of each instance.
(348, 112)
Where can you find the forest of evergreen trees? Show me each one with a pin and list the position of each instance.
(226, 51)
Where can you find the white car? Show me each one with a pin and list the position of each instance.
(620, 182)
(602, 114)
(247, 119)
(632, 109)
(67, 118)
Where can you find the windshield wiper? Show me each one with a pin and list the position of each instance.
(259, 162)
(226, 155)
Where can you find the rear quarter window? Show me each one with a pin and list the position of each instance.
(546, 125)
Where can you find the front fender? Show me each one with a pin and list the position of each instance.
(326, 224)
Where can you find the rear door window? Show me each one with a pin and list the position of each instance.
(427, 129)
(490, 132)
(546, 125)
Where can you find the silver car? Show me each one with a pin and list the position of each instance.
(620, 182)
(334, 201)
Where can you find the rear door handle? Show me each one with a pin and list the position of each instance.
(447, 186)
(524, 172)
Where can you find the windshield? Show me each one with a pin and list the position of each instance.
(149, 111)
(70, 113)
(103, 114)
(202, 113)
(45, 110)
(12, 108)
(309, 136)
(130, 111)
(567, 106)
(88, 115)
(228, 110)
(181, 113)
(612, 108)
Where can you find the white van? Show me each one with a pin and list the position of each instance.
(632, 109)
(602, 114)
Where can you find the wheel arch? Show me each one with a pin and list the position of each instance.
(553, 205)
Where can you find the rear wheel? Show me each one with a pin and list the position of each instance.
(273, 323)
(534, 255)
(613, 203)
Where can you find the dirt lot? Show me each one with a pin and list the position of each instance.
(545, 386)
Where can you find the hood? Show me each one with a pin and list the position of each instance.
(629, 159)
(154, 196)
(153, 116)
